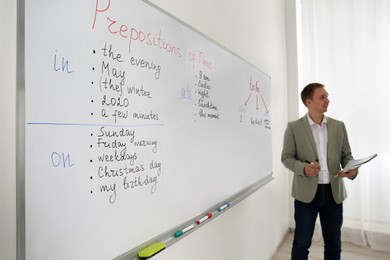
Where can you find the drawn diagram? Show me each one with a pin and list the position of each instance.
(255, 97)
(254, 88)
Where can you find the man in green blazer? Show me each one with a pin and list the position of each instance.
(315, 148)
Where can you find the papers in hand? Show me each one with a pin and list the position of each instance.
(353, 164)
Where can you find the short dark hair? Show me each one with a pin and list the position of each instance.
(308, 91)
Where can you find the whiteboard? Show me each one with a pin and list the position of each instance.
(134, 123)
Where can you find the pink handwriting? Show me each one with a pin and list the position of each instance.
(199, 58)
(131, 33)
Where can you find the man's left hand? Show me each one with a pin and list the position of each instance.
(351, 174)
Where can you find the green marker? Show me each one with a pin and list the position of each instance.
(181, 232)
(151, 250)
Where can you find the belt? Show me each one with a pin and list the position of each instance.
(323, 186)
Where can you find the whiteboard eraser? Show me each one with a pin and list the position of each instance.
(151, 250)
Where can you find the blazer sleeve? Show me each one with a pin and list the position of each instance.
(289, 153)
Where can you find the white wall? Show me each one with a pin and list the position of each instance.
(7, 129)
(294, 77)
(253, 29)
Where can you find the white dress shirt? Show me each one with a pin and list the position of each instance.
(320, 133)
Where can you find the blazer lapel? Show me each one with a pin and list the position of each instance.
(330, 135)
(309, 134)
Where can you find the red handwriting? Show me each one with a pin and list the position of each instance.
(254, 87)
(199, 58)
(131, 33)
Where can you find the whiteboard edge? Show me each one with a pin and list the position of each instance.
(20, 133)
(204, 36)
(168, 238)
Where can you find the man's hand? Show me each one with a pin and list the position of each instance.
(312, 169)
(349, 174)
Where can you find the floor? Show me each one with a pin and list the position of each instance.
(350, 251)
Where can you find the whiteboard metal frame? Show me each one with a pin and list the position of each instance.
(203, 35)
(166, 237)
(20, 135)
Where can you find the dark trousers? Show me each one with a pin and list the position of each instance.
(331, 218)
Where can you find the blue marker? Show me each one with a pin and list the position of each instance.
(224, 206)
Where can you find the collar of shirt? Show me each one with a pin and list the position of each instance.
(311, 122)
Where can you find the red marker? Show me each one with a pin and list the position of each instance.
(204, 218)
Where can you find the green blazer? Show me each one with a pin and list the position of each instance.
(299, 146)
